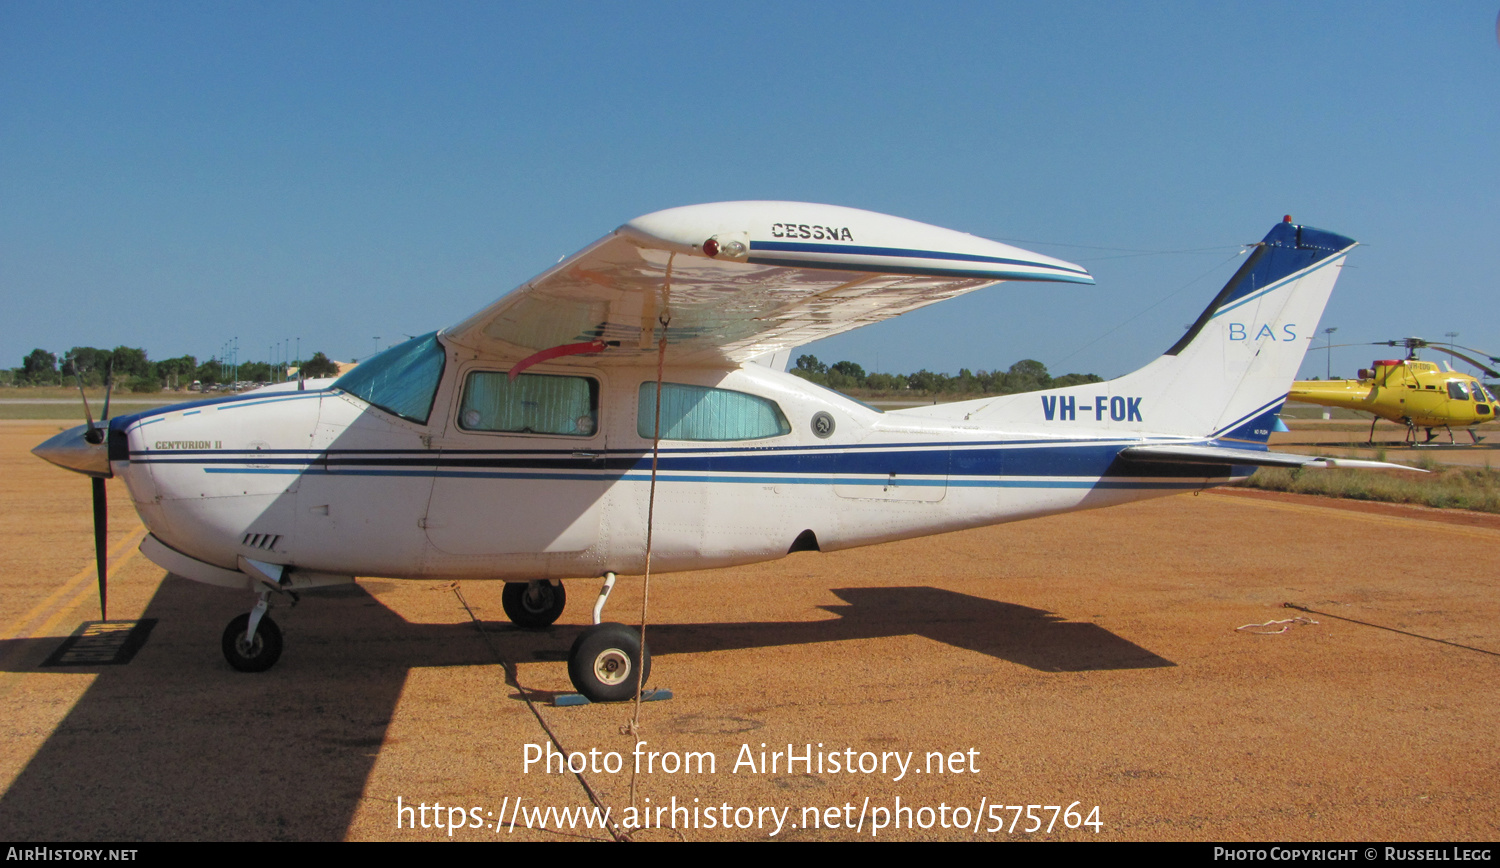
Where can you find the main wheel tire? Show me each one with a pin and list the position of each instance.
(604, 661)
(256, 656)
(539, 609)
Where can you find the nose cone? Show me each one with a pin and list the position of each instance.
(72, 450)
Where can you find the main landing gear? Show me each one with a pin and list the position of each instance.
(606, 660)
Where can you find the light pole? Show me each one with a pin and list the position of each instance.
(1328, 374)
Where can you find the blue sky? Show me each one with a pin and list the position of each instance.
(175, 175)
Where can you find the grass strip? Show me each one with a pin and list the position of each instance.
(1472, 488)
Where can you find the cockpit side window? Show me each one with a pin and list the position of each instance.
(703, 413)
(1458, 390)
(402, 380)
(530, 404)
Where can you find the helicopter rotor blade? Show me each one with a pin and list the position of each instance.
(1494, 360)
(1488, 371)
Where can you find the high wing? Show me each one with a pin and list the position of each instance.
(734, 281)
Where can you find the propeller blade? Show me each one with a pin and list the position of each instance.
(101, 532)
(109, 387)
(86, 414)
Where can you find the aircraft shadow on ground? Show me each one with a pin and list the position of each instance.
(1019, 634)
(176, 746)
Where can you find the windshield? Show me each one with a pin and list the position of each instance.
(402, 380)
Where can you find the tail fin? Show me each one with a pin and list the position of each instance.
(1228, 376)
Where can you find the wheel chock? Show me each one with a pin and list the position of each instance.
(656, 694)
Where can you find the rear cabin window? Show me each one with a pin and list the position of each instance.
(402, 380)
(703, 413)
(530, 404)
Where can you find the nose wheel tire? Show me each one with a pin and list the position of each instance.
(533, 604)
(604, 662)
(259, 654)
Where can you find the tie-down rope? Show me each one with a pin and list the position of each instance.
(633, 728)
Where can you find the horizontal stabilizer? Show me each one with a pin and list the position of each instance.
(1221, 455)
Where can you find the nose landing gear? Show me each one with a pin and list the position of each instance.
(252, 641)
(533, 604)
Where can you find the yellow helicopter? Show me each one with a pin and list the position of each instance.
(1409, 391)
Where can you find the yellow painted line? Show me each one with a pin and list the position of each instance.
(84, 593)
(9, 679)
(1367, 517)
(15, 629)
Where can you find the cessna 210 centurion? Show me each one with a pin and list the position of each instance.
(521, 444)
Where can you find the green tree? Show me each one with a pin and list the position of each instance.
(256, 372)
(809, 364)
(177, 372)
(846, 375)
(142, 383)
(810, 369)
(885, 382)
(39, 366)
(1074, 380)
(209, 372)
(926, 381)
(1027, 375)
(319, 366)
(130, 362)
(851, 370)
(89, 363)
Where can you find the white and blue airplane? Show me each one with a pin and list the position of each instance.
(520, 444)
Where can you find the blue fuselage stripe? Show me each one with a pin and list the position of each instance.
(1054, 482)
(1083, 464)
(903, 253)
